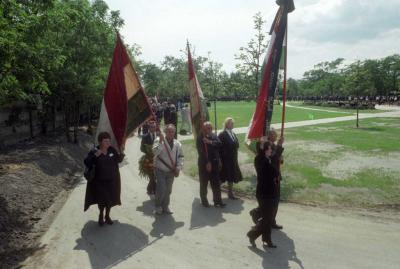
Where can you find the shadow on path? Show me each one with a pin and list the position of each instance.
(278, 258)
(109, 245)
(165, 225)
(147, 208)
(202, 216)
(233, 206)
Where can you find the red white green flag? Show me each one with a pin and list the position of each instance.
(261, 120)
(125, 106)
(198, 105)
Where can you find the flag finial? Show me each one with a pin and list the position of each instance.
(289, 4)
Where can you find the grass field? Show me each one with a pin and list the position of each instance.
(332, 164)
(242, 111)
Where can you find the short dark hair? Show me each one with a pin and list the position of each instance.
(263, 146)
(102, 136)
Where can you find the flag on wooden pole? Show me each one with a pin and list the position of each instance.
(198, 105)
(125, 106)
(261, 120)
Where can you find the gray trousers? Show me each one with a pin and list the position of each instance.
(163, 188)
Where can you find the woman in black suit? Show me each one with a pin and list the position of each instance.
(105, 189)
(266, 193)
(230, 171)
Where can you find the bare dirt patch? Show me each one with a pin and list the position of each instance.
(349, 164)
(34, 176)
(315, 146)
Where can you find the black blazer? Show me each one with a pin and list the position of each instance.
(267, 187)
(209, 155)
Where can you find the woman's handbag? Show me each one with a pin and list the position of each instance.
(89, 173)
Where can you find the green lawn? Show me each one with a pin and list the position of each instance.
(242, 111)
(332, 164)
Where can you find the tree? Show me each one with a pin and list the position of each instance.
(250, 62)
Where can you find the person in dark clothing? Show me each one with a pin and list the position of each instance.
(146, 146)
(229, 156)
(105, 189)
(173, 118)
(266, 194)
(209, 164)
(276, 160)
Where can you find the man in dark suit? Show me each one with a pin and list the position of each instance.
(209, 164)
(145, 146)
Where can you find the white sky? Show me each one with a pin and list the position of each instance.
(319, 30)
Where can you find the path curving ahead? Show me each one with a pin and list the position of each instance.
(196, 237)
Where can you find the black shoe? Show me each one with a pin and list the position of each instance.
(221, 204)
(109, 221)
(251, 240)
(205, 204)
(276, 226)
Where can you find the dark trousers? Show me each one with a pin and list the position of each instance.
(215, 187)
(151, 186)
(263, 226)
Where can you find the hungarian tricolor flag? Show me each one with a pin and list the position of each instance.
(125, 106)
(198, 105)
(261, 120)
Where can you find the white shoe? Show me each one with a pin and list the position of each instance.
(159, 210)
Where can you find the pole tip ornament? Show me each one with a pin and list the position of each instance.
(289, 4)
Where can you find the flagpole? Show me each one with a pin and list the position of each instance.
(284, 81)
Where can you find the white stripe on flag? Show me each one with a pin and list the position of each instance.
(104, 125)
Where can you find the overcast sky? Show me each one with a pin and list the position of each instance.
(319, 30)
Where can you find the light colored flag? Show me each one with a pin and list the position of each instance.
(125, 106)
(198, 105)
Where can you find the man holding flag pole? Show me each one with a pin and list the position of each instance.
(207, 142)
(260, 124)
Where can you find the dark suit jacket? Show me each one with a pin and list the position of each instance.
(208, 153)
(229, 157)
(267, 187)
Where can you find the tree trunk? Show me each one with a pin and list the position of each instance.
(76, 122)
(66, 118)
(54, 116)
(30, 122)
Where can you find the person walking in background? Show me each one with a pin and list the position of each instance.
(185, 117)
(105, 188)
(168, 162)
(146, 146)
(266, 194)
(209, 163)
(230, 171)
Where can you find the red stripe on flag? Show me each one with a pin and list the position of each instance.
(115, 98)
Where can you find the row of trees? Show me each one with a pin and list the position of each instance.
(55, 56)
(372, 77)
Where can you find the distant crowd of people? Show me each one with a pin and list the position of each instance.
(378, 99)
